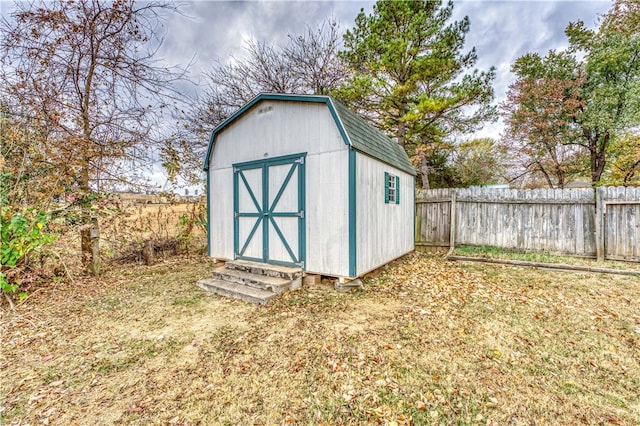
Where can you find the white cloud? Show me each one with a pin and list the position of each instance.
(501, 31)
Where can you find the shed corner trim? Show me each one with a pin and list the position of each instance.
(352, 214)
(336, 118)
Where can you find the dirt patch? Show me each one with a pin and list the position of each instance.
(358, 318)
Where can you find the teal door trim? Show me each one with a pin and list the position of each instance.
(265, 211)
(353, 241)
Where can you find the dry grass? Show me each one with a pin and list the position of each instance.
(425, 342)
(490, 252)
(125, 230)
(140, 222)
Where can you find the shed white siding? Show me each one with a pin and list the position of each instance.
(272, 129)
(221, 213)
(328, 213)
(385, 231)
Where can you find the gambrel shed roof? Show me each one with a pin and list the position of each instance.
(355, 131)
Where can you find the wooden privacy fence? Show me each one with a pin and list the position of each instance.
(569, 221)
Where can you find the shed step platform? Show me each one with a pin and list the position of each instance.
(237, 291)
(278, 271)
(252, 281)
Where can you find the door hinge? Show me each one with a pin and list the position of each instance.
(236, 214)
(301, 264)
(300, 160)
(300, 214)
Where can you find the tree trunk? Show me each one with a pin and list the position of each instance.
(601, 161)
(90, 230)
(401, 134)
(598, 153)
(148, 253)
(402, 131)
(90, 244)
(424, 173)
(561, 179)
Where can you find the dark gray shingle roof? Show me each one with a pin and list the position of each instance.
(368, 139)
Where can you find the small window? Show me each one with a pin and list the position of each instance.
(391, 188)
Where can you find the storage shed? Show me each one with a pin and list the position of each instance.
(300, 180)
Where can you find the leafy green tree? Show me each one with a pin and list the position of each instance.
(410, 77)
(590, 97)
(540, 116)
(624, 168)
(611, 91)
(29, 181)
(479, 162)
(624, 17)
(23, 234)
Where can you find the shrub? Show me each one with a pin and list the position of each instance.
(196, 217)
(23, 233)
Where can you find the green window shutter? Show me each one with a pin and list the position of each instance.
(386, 187)
(397, 189)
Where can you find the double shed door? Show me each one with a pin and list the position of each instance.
(269, 210)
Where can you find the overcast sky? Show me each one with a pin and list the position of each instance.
(501, 31)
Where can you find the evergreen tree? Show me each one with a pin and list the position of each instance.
(411, 78)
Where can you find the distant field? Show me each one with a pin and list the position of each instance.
(149, 220)
(133, 224)
(158, 222)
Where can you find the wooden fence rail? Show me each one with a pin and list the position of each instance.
(569, 221)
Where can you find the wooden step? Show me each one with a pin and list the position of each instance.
(237, 291)
(251, 281)
(265, 282)
(287, 272)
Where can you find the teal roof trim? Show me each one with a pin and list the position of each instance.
(354, 130)
(272, 97)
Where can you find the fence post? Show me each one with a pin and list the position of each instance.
(600, 212)
(417, 217)
(452, 224)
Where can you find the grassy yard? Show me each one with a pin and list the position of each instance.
(425, 342)
(489, 252)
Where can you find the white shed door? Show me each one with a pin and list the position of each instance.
(269, 210)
